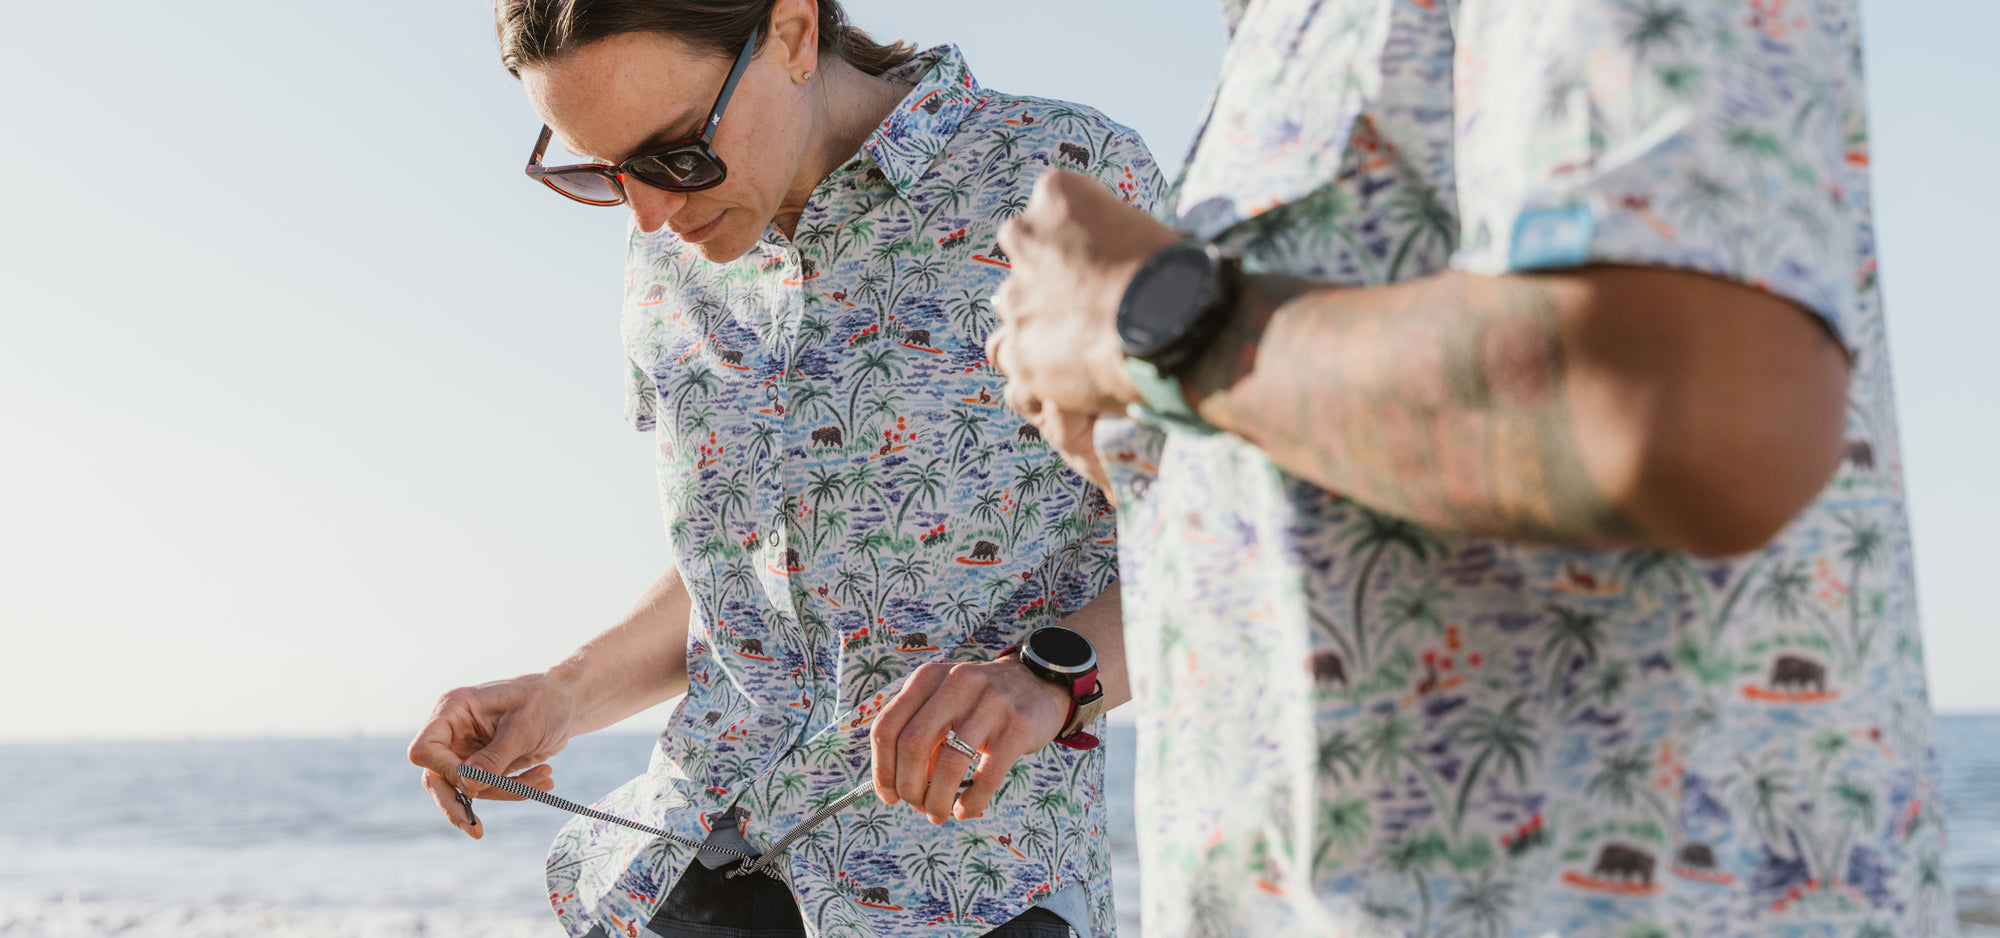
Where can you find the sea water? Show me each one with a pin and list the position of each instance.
(335, 838)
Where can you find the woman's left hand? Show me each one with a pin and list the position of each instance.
(997, 707)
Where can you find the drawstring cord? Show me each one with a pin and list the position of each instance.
(752, 863)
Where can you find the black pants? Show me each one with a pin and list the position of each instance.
(705, 905)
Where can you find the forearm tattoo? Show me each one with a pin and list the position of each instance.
(1441, 401)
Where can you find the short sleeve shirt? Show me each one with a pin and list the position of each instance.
(1352, 724)
(847, 499)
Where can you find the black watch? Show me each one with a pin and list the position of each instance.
(1062, 656)
(1179, 299)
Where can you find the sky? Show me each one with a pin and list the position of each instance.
(310, 404)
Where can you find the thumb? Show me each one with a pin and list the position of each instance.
(496, 758)
(512, 749)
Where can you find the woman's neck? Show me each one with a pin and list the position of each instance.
(850, 105)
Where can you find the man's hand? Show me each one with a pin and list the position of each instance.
(504, 727)
(997, 707)
(1073, 250)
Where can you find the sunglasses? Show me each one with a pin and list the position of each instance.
(688, 166)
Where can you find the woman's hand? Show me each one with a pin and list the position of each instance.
(997, 707)
(505, 727)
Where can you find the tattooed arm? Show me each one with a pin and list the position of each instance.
(1592, 406)
(1601, 405)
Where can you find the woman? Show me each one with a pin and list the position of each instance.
(859, 529)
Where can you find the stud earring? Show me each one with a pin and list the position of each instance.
(805, 78)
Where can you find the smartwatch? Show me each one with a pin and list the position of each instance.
(1063, 657)
(1176, 303)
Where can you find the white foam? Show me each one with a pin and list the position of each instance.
(27, 916)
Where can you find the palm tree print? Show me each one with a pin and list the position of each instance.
(1572, 633)
(1502, 738)
(834, 465)
(1379, 536)
(1476, 736)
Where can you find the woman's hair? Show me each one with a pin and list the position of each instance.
(535, 32)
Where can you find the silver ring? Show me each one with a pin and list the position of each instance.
(951, 739)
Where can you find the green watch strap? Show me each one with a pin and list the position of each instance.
(1162, 401)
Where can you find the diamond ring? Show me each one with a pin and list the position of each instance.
(951, 739)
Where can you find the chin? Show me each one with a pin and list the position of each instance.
(727, 244)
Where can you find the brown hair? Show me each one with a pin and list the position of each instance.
(535, 32)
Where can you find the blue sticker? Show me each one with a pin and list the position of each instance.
(1552, 237)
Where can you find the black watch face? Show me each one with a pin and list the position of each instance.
(1061, 649)
(1164, 300)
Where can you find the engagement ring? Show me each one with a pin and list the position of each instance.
(951, 739)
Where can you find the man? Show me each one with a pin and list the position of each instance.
(1515, 544)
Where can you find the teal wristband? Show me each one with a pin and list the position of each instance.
(1162, 400)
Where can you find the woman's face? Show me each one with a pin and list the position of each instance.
(642, 92)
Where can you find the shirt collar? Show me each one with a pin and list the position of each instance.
(923, 123)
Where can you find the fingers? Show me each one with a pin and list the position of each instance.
(994, 341)
(1015, 232)
(998, 708)
(434, 748)
(446, 791)
(883, 740)
(981, 728)
(540, 777)
(1024, 403)
(1074, 435)
(446, 797)
(922, 736)
(495, 727)
(986, 731)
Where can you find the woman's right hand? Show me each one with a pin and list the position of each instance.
(508, 727)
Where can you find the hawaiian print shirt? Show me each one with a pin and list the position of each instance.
(1353, 725)
(847, 498)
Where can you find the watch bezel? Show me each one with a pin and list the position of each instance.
(1129, 313)
(1030, 656)
(1217, 307)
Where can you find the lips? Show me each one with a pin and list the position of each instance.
(703, 233)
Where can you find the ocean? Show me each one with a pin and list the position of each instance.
(332, 838)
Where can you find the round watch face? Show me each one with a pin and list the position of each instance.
(1060, 650)
(1164, 299)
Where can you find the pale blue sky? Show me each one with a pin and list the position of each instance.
(311, 403)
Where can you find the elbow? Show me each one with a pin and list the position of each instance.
(1726, 477)
(1712, 413)
(1738, 519)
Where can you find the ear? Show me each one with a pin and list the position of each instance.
(794, 31)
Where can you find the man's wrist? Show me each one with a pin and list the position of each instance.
(1231, 353)
(1163, 400)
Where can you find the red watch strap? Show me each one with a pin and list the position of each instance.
(1078, 739)
(1083, 687)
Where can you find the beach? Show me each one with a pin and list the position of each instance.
(333, 839)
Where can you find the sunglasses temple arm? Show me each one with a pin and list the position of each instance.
(541, 147)
(729, 87)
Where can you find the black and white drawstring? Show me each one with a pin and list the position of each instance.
(752, 862)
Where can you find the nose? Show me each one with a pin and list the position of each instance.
(651, 207)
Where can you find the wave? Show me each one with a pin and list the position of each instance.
(68, 916)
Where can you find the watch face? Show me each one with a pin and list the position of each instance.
(1060, 650)
(1164, 299)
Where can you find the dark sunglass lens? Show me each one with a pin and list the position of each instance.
(686, 168)
(589, 187)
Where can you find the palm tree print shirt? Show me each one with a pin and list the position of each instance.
(847, 499)
(1350, 724)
